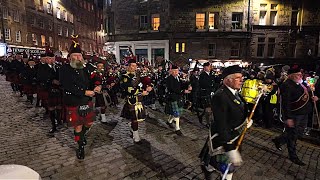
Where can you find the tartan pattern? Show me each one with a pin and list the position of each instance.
(174, 108)
(100, 101)
(74, 119)
(54, 101)
(42, 93)
(29, 89)
(128, 112)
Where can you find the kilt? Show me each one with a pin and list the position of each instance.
(29, 89)
(9, 76)
(54, 101)
(100, 101)
(74, 119)
(42, 93)
(174, 108)
(134, 111)
(13, 77)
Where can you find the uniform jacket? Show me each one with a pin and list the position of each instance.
(206, 83)
(74, 83)
(229, 113)
(174, 88)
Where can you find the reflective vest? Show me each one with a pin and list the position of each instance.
(274, 99)
(250, 90)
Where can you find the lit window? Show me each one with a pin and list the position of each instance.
(65, 15)
(177, 47)
(58, 13)
(49, 8)
(50, 42)
(274, 6)
(43, 40)
(183, 47)
(67, 32)
(18, 36)
(263, 18)
(200, 20)
(211, 21)
(155, 22)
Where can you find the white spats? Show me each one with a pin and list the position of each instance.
(103, 118)
(136, 136)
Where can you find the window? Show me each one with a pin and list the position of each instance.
(237, 20)
(235, 49)
(58, 13)
(72, 31)
(67, 32)
(5, 13)
(34, 37)
(292, 47)
(213, 20)
(59, 30)
(71, 18)
(65, 15)
(32, 20)
(18, 36)
(49, 8)
(143, 23)
(271, 47)
(40, 8)
(260, 49)
(183, 47)
(7, 33)
(294, 18)
(263, 18)
(50, 24)
(41, 23)
(274, 6)
(177, 47)
(16, 16)
(50, 42)
(273, 18)
(66, 46)
(212, 50)
(155, 22)
(43, 40)
(200, 20)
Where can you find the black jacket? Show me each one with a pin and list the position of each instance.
(228, 113)
(290, 92)
(74, 83)
(174, 88)
(206, 83)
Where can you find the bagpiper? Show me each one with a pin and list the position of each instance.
(133, 108)
(77, 95)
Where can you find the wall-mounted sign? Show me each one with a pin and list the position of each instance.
(31, 51)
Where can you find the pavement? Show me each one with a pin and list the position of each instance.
(111, 153)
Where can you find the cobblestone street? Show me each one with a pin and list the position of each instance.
(111, 153)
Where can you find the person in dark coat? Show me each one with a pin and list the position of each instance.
(206, 83)
(296, 104)
(77, 95)
(174, 104)
(29, 80)
(230, 119)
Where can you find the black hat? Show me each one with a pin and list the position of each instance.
(174, 67)
(131, 61)
(294, 69)
(49, 52)
(75, 46)
(25, 55)
(206, 64)
(231, 70)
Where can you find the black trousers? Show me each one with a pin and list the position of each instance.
(291, 135)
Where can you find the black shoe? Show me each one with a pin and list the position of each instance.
(200, 120)
(179, 133)
(80, 152)
(277, 144)
(53, 130)
(170, 124)
(297, 161)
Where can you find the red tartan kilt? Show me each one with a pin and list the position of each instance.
(9, 77)
(74, 119)
(15, 78)
(54, 101)
(42, 94)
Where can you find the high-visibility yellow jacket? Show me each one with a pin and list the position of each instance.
(250, 90)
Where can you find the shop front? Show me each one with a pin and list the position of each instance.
(12, 49)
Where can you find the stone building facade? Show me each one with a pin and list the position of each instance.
(52, 22)
(216, 30)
